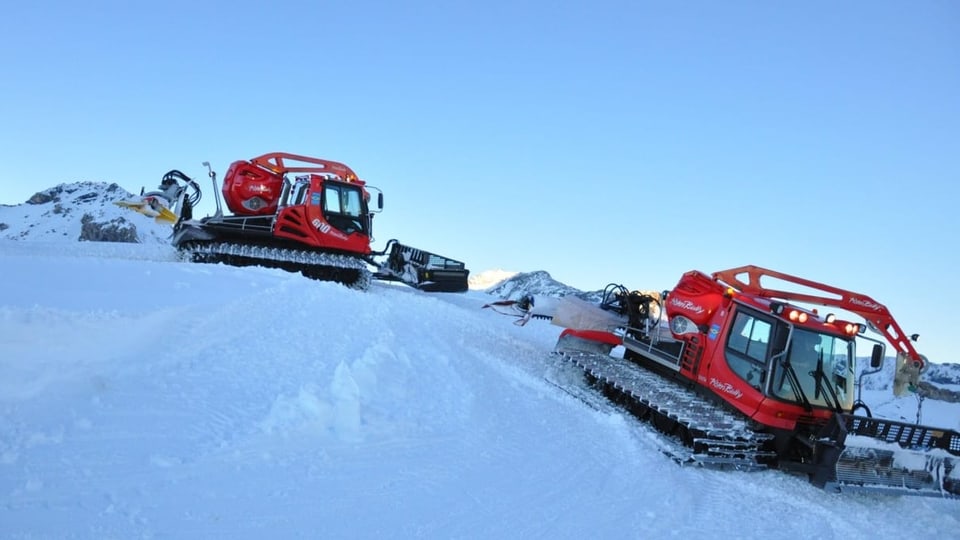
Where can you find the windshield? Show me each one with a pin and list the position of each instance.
(343, 199)
(812, 354)
(344, 208)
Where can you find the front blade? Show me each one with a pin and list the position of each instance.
(859, 453)
(895, 470)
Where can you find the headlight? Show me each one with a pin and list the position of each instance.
(680, 325)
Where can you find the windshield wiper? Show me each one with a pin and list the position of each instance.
(818, 377)
(791, 376)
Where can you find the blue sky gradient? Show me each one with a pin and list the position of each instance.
(602, 141)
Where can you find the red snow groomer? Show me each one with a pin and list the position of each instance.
(744, 376)
(301, 214)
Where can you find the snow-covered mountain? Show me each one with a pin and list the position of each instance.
(538, 283)
(481, 281)
(79, 211)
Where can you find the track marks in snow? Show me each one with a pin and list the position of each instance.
(254, 402)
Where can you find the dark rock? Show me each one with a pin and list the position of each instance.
(43, 197)
(115, 230)
(931, 391)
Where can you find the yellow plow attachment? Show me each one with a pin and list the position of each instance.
(160, 213)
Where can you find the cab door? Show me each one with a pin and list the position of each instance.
(740, 374)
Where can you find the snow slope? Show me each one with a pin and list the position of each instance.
(143, 397)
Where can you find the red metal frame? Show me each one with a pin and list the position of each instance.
(868, 308)
(276, 162)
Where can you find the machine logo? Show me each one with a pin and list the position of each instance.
(321, 226)
(725, 387)
(325, 228)
(714, 332)
(865, 303)
(687, 305)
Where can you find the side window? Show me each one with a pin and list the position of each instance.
(300, 190)
(750, 336)
(747, 347)
(331, 197)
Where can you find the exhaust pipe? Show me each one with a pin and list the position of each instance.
(216, 192)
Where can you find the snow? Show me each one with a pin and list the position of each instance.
(145, 397)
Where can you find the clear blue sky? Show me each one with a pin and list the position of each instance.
(601, 141)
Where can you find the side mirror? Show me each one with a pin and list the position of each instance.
(380, 200)
(876, 357)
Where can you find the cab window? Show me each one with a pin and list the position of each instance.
(344, 208)
(750, 336)
(343, 200)
(747, 347)
(332, 199)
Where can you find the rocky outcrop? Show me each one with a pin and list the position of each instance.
(43, 197)
(931, 391)
(115, 230)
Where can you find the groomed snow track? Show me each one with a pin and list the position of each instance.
(710, 437)
(348, 270)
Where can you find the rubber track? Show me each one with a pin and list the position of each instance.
(703, 433)
(346, 269)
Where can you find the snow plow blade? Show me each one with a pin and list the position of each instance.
(421, 269)
(160, 214)
(884, 456)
